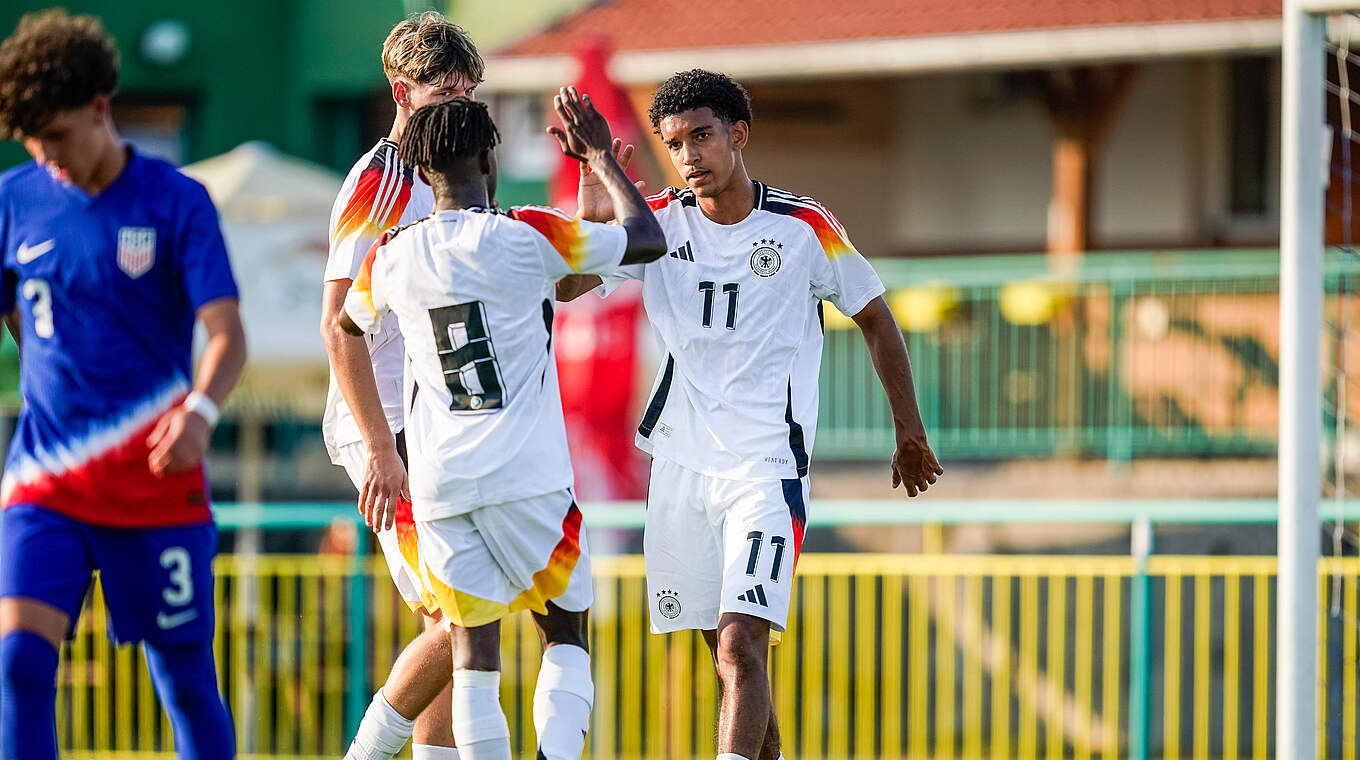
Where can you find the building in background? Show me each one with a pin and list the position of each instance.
(937, 127)
(199, 79)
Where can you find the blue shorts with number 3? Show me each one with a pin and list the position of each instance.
(157, 582)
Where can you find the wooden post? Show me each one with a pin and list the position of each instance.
(1082, 104)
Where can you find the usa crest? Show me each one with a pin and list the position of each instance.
(136, 250)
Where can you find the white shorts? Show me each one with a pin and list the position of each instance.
(502, 558)
(714, 545)
(398, 543)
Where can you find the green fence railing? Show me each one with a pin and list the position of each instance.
(1129, 354)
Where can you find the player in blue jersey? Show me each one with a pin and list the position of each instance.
(107, 258)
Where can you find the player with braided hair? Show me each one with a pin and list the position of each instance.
(441, 136)
(490, 481)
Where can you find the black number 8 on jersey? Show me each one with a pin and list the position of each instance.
(467, 357)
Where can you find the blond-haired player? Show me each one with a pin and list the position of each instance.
(427, 59)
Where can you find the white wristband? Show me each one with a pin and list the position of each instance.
(199, 403)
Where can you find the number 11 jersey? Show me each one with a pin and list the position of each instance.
(737, 309)
(473, 294)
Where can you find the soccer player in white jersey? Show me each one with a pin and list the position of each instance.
(736, 305)
(427, 59)
(490, 476)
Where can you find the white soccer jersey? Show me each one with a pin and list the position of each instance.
(473, 296)
(380, 193)
(737, 309)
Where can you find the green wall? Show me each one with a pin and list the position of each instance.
(255, 69)
(294, 73)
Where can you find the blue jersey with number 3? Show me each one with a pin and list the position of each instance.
(107, 287)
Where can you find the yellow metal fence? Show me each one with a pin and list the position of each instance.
(916, 656)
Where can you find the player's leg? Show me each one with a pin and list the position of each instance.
(744, 704)
(565, 692)
(433, 737)
(473, 593)
(762, 535)
(550, 539)
(185, 677)
(404, 708)
(539, 546)
(158, 585)
(478, 720)
(413, 705)
(769, 748)
(45, 569)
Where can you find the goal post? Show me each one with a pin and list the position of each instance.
(1303, 174)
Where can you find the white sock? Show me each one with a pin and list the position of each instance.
(478, 721)
(433, 752)
(562, 701)
(382, 733)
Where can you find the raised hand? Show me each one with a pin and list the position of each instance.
(592, 199)
(584, 130)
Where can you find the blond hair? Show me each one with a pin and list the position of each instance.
(427, 47)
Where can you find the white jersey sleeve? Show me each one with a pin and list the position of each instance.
(374, 199)
(611, 282)
(366, 302)
(843, 276)
(573, 246)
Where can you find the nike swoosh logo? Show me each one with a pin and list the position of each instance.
(166, 622)
(27, 253)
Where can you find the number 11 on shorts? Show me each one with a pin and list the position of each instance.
(757, 538)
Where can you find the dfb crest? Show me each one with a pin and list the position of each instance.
(765, 261)
(136, 250)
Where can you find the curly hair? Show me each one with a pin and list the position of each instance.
(53, 62)
(427, 47)
(438, 135)
(697, 88)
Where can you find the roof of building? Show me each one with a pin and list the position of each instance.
(812, 39)
(661, 24)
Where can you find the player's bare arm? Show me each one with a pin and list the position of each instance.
(385, 476)
(913, 464)
(573, 286)
(180, 438)
(585, 136)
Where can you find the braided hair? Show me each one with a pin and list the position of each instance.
(437, 136)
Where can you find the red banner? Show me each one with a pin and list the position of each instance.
(596, 340)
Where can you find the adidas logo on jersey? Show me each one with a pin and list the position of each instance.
(684, 252)
(755, 596)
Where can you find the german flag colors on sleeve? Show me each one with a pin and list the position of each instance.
(365, 302)
(840, 274)
(573, 246)
(370, 203)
